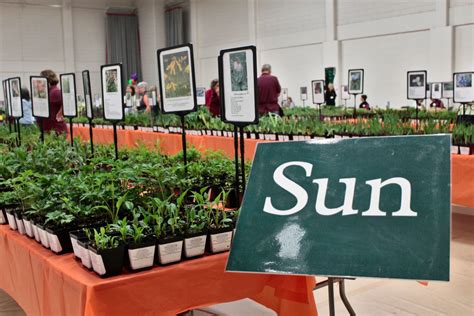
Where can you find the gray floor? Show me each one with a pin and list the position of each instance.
(377, 296)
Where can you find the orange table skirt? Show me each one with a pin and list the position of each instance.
(46, 284)
(462, 165)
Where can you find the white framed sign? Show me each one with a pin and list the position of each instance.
(111, 79)
(356, 81)
(153, 100)
(435, 90)
(284, 94)
(345, 92)
(177, 80)
(447, 90)
(463, 88)
(317, 88)
(416, 85)
(39, 96)
(303, 93)
(201, 95)
(86, 84)
(5, 96)
(238, 82)
(14, 97)
(68, 93)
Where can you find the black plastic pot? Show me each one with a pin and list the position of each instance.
(107, 262)
(169, 250)
(220, 239)
(141, 256)
(194, 244)
(59, 241)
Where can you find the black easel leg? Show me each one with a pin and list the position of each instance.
(115, 141)
(355, 105)
(416, 117)
(42, 130)
(236, 161)
(183, 138)
(19, 133)
(71, 132)
(320, 114)
(91, 136)
(242, 157)
(332, 309)
(342, 294)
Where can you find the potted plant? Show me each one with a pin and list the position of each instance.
(140, 247)
(220, 228)
(195, 227)
(170, 239)
(58, 224)
(107, 253)
(83, 249)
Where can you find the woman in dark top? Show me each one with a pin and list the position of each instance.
(55, 122)
(330, 95)
(364, 104)
(143, 97)
(215, 104)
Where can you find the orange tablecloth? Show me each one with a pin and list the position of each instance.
(462, 165)
(46, 284)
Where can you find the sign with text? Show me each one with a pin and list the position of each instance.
(68, 93)
(447, 91)
(14, 97)
(177, 80)
(39, 96)
(416, 85)
(327, 207)
(86, 84)
(317, 87)
(238, 85)
(435, 90)
(463, 87)
(356, 81)
(111, 79)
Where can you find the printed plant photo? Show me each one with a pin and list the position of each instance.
(318, 89)
(303, 90)
(15, 88)
(447, 86)
(111, 80)
(65, 85)
(39, 88)
(200, 92)
(436, 87)
(176, 75)
(463, 80)
(355, 81)
(238, 71)
(417, 80)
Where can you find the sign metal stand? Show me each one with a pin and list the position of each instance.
(183, 140)
(342, 293)
(86, 83)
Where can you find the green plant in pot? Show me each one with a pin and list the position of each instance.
(58, 224)
(141, 246)
(195, 231)
(220, 229)
(107, 253)
(170, 245)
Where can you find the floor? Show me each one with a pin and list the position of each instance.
(376, 296)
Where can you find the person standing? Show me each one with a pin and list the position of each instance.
(215, 102)
(210, 91)
(27, 118)
(268, 92)
(363, 103)
(144, 102)
(330, 95)
(55, 122)
(436, 103)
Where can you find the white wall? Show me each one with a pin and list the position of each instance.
(302, 37)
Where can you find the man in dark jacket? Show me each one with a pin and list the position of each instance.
(268, 91)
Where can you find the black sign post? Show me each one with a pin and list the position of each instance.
(355, 85)
(86, 84)
(417, 89)
(69, 100)
(40, 100)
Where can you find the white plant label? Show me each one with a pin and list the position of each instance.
(170, 252)
(221, 242)
(54, 243)
(97, 263)
(3, 220)
(20, 226)
(75, 247)
(37, 234)
(416, 82)
(141, 257)
(11, 221)
(85, 255)
(15, 97)
(28, 228)
(44, 237)
(195, 246)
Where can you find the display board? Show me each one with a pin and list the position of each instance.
(447, 90)
(39, 96)
(68, 93)
(177, 80)
(356, 81)
(201, 95)
(238, 85)
(284, 94)
(5, 96)
(317, 88)
(463, 88)
(318, 208)
(14, 97)
(416, 85)
(303, 93)
(435, 90)
(345, 92)
(86, 84)
(111, 79)
(153, 100)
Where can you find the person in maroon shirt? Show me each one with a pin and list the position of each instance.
(215, 100)
(210, 91)
(55, 122)
(268, 92)
(436, 103)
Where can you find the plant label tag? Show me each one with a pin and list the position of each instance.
(75, 248)
(141, 257)
(97, 263)
(37, 234)
(28, 228)
(170, 252)
(3, 220)
(54, 243)
(20, 226)
(221, 242)
(44, 238)
(85, 255)
(11, 221)
(317, 208)
(194, 246)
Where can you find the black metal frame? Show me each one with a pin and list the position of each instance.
(86, 86)
(349, 81)
(33, 98)
(342, 293)
(408, 83)
(159, 53)
(222, 84)
(119, 65)
(454, 85)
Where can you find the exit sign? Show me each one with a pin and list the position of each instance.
(371, 207)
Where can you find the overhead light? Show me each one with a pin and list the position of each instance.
(55, 6)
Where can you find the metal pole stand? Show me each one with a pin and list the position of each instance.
(416, 116)
(236, 161)
(355, 106)
(342, 293)
(71, 132)
(19, 133)
(183, 139)
(91, 136)
(114, 124)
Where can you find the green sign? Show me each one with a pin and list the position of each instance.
(371, 207)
